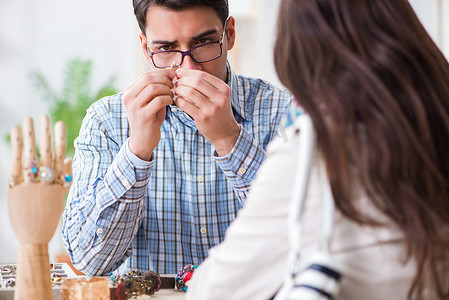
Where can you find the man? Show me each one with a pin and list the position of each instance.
(161, 169)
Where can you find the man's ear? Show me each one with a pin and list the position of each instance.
(230, 30)
(143, 43)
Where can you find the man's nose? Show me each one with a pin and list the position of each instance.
(189, 63)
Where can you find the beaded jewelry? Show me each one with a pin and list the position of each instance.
(137, 283)
(184, 275)
(41, 174)
(32, 171)
(13, 181)
(55, 278)
(66, 179)
(46, 174)
(121, 292)
(10, 270)
(11, 282)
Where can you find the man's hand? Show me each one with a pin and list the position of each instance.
(145, 101)
(206, 99)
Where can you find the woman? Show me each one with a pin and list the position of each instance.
(377, 90)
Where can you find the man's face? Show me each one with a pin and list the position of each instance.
(181, 30)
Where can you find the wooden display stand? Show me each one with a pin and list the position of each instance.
(34, 210)
(96, 288)
(35, 203)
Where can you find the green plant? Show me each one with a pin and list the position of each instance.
(69, 104)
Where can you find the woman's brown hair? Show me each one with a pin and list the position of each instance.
(377, 89)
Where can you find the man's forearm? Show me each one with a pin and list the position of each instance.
(100, 221)
(241, 165)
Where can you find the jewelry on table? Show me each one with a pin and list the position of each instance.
(135, 283)
(184, 275)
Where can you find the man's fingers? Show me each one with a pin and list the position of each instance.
(188, 107)
(29, 148)
(211, 79)
(152, 91)
(16, 148)
(60, 146)
(203, 89)
(194, 96)
(158, 103)
(200, 84)
(45, 141)
(159, 76)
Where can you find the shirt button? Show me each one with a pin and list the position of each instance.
(200, 178)
(203, 230)
(174, 109)
(242, 171)
(100, 230)
(126, 183)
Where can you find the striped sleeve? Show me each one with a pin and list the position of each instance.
(241, 164)
(105, 204)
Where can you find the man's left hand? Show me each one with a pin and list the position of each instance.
(206, 99)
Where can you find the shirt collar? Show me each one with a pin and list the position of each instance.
(238, 99)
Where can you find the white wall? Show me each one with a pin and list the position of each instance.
(434, 16)
(256, 22)
(40, 35)
(253, 53)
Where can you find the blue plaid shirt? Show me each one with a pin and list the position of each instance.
(167, 213)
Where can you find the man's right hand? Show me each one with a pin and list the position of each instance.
(145, 101)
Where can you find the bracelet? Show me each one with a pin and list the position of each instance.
(135, 283)
(184, 275)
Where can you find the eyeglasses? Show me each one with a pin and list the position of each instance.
(199, 54)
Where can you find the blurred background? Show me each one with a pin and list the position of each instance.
(58, 55)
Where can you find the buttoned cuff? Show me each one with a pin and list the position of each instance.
(135, 160)
(241, 164)
(125, 180)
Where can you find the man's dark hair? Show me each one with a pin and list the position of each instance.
(141, 8)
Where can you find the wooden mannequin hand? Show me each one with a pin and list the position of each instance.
(37, 188)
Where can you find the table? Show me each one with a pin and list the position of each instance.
(164, 295)
(64, 271)
(8, 294)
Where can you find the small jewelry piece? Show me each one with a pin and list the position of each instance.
(184, 275)
(121, 292)
(137, 283)
(66, 180)
(32, 171)
(11, 282)
(13, 181)
(46, 174)
(57, 280)
(9, 269)
(55, 277)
